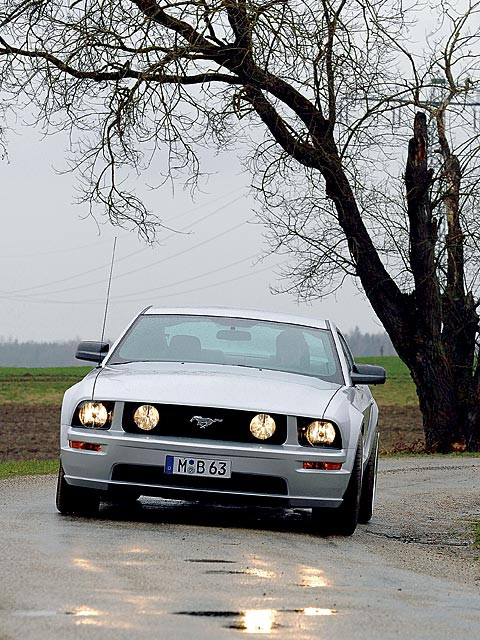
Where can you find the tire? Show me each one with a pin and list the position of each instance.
(343, 520)
(75, 500)
(369, 484)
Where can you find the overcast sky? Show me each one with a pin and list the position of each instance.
(55, 262)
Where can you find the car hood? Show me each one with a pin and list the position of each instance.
(215, 386)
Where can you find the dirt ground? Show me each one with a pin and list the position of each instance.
(31, 432)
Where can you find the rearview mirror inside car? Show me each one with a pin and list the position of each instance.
(234, 335)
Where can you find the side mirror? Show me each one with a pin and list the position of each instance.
(368, 374)
(92, 351)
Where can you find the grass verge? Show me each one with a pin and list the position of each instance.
(13, 468)
(25, 373)
(37, 386)
(422, 454)
(475, 525)
(27, 468)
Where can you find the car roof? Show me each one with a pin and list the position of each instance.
(232, 312)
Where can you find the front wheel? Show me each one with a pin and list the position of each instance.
(369, 484)
(75, 500)
(343, 520)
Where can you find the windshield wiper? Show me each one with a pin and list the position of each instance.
(127, 362)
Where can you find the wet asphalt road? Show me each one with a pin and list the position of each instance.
(179, 571)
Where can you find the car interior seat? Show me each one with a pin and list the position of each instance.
(185, 348)
(292, 350)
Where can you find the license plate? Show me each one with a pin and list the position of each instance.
(198, 467)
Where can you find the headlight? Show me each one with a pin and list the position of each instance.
(93, 415)
(320, 432)
(146, 417)
(262, 426)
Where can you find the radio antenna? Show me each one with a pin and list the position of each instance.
(108, 289)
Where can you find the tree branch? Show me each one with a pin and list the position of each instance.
(121, 74)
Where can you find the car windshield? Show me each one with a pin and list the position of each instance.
(230, 341)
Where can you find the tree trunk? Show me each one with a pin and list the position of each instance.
(437, 336)
(442, 411)
(414, 321)
(440, 351)
(473, 418)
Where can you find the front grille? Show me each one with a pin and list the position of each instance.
(232, 425)
(241, 482)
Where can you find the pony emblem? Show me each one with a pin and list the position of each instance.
(205, 422)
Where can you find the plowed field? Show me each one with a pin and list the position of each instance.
(31, 432)
(30, 402)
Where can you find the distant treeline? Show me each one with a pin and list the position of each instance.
(62, 354)
(370, 344)
(39, 354)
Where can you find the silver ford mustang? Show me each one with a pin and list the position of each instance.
(223, 405)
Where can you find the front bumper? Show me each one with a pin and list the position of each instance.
(135, 462)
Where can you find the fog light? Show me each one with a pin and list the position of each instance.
(146, 417)
(85, 446)
(93, 414)
(320, 432)
(262, 426)
(322, 466)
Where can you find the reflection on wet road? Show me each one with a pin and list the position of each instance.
(259, 620)
(179, 571)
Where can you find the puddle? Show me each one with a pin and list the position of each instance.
(308, 611)
(84, 612)
(38, 614)
(209, 614)
(258, 620)
(314, 611)
(313, 583)
(241, 626)
(255, 629)
(45, 613)
(231, 572)
(212, 560)
(258, 573)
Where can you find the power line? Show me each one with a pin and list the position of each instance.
(152, 264)
(190, 279)
(205, 204)
(29, 256)
(170, 295)
(214, 284)
(103, 266)
(50, 252)
(78, 275)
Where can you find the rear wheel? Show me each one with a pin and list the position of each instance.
(369, 484)
(75, 500)
(343, 520)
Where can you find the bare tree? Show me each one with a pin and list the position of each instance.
(322, 92)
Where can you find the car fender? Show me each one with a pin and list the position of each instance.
(75, 394)
(348, 418)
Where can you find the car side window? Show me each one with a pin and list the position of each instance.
(346, 351)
